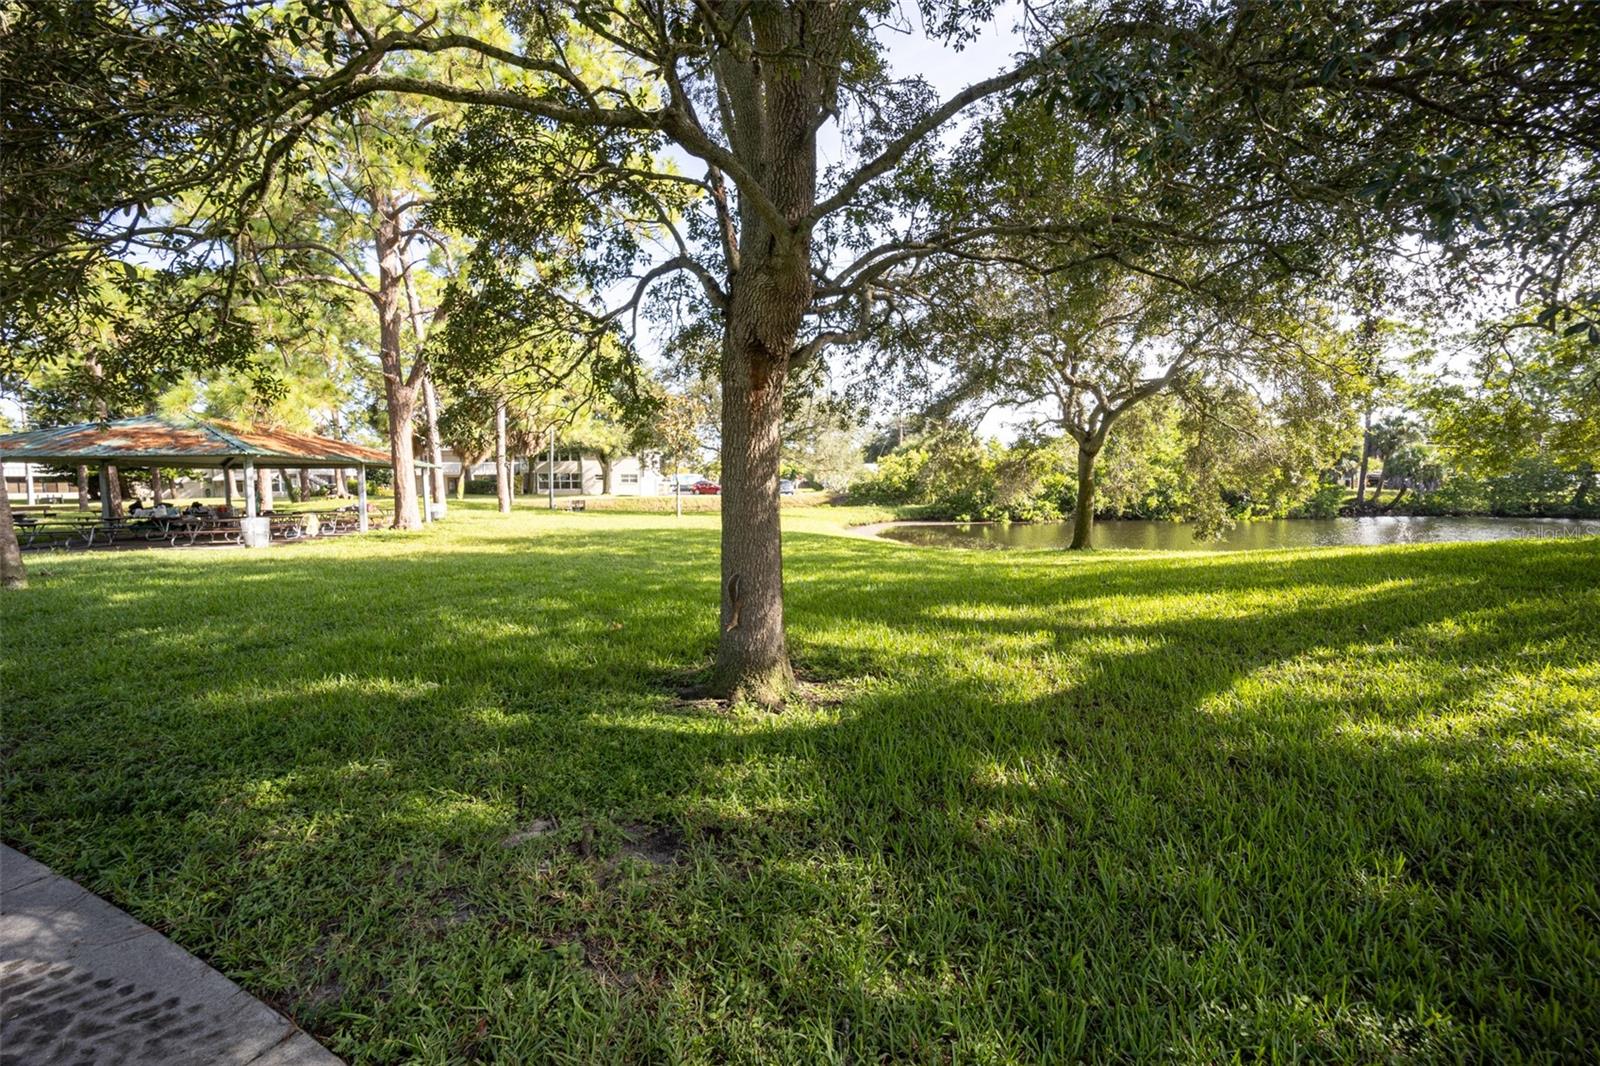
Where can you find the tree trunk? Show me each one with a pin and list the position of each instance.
(13, 575)
(605, 473)
(430, 408)
(762, 323)
(305, 483)
(502, 467)
(289, 489)
(1366, 454)
(155, 484)
(399, 390)
(1377, 491)
(83, 487)
(1397, 498)
(1580, 497)
(1083, 512)
(530, 483)
(114, 490)
(263, 490)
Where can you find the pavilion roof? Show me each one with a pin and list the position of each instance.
(156, 440)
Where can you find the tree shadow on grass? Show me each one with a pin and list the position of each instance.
(1329, 804)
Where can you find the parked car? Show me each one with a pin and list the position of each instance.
(680, 483)
(705, 488)
(786, 487)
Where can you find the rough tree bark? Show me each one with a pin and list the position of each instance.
(263, 490)
(113, 489)
(13, 575)
(399, 388)
(155, 485)
(774, 107)
(289, 489)
(1083, 511)
(605, 473)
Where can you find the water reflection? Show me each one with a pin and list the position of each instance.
(1247, 536)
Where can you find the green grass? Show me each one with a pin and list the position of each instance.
(1339, 804)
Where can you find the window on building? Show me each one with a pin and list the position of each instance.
(628, 479)
(565, 482)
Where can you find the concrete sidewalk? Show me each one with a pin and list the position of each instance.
(82, 982)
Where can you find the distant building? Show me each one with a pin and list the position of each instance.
(47, 487)
(576, 474)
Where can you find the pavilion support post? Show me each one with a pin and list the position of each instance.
(105, 492)
(227, 487)
(27, 481)
(155, 484)
(361, 498)
(255, 531)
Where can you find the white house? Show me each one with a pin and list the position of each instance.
(576, 474)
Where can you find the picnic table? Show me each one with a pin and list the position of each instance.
(184, 528)
(191, 529)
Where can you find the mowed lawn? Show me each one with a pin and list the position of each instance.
(440, 798)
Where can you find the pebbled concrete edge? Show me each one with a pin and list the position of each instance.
(82, 980)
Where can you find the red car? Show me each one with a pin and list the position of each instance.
(705, 488)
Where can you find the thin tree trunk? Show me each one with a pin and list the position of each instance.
(263, 490)
(605, 473)
(1083, 512)
(1397, 498)
(155, 484)
(1377, 491)
(1366, 454)
(305, 483)
(399, 389)
(13, 575)
(502, 467)
(113, 488)
(289, 489)
(83, 486)
(430, 408)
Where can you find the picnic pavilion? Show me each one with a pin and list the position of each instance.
(188, 442)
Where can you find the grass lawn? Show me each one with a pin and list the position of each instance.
(435, 794)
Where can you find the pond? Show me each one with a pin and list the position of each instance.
(1247, 536)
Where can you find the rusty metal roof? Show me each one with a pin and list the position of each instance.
(153, 440)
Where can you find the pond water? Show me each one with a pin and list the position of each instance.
(1246, 536)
